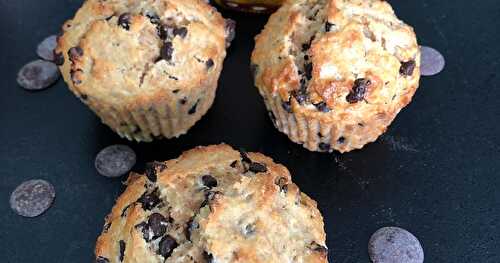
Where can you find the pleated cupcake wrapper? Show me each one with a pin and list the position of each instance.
(147, 122)
(311, 131)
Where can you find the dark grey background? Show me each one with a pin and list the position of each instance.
(435, 172)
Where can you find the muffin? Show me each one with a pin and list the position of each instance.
(213, 204)
(335, 73)
(149, 68)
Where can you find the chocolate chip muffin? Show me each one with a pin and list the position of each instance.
(335, 73)
(147, 68)
(213, 204)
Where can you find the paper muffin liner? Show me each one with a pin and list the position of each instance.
(165, 118)
(316, 133)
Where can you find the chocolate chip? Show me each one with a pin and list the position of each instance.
(152, 168)
(175, 91)
(74, 76)
(208, 257)
(192, 110)
(320, 135)
(74, 53)
(322, 106)
(209, 181)
(58, 58)
(124, 20)
(328, 26)
(32, 198)
(394, 244)
(209, 63)
(257, 167)
(407, 68)
(149, 200)
(306, 47)
(115, 160)
(38, 75)
(106, 227)
(229, 28)
(166, 51)
(125, 210)
(84, 96)
(300, 96)
(432, 61)
(164, 31)
(358, 90)
(46, 48)
(244, 156)
(287, 106)
(282, 183)
(155, 227)
(325, 147)
(167, 246)
(233, 164)
(249, 230)
(183, 101)
(100, 259)
(191, 225)
(210, 196)
(308, 67)
(181, 31)
(341, 139)
(153, 18)
(122, 249)
(319, 248)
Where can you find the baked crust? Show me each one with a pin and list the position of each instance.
(147, 68)
(248, 210)
(339, 71)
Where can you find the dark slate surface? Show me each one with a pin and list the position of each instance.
(435, 172)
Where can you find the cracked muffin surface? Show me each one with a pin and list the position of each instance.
(335, 73)
(147, 68)
(213, 204)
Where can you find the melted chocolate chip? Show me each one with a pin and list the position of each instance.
(74, 77)
(149, 200)
(100, 259)
(124, 20)
(74, 53)
(325, 147)
(287, 106)
(166, 51)
(58, 58)
(233, 164)
(322, 107)
(84, 96)
(155, 227)
(244, 156)
(257, 167)
(122, 249)
(328, 26)
(181, 31)
(282, 183)
(308, 67)
(300, 96)
(341, 139)
(407, 68)
(192, 110)
(152, 168)
(209, 181)
(183, 101)
(164, 31)
(167, 246)
(153, 18)
(358, 90)
(306, 47)
(209, 63)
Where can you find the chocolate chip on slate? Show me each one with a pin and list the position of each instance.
(209, 63)
(58, 58)
(358, 90)
(74, 53)
(325, 147)
(166, 246)
(38, 75)
(432, 62)
(287, 106)
(152, 168)
(166, 51)
(257, 167)
(407, 68)
(155, 227)
(46, 48)
(122, 249)
(328, 26)
(180, 31)
(209, 181)
(322, 107)
(101, 260)
(115, 160)
(230, 29)
(124, 20)
(192, 110)
(32, 198)
(394, 244)
(149, 200)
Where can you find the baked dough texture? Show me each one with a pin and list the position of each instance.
(335, 73)
(147, 68)
(213, 204)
